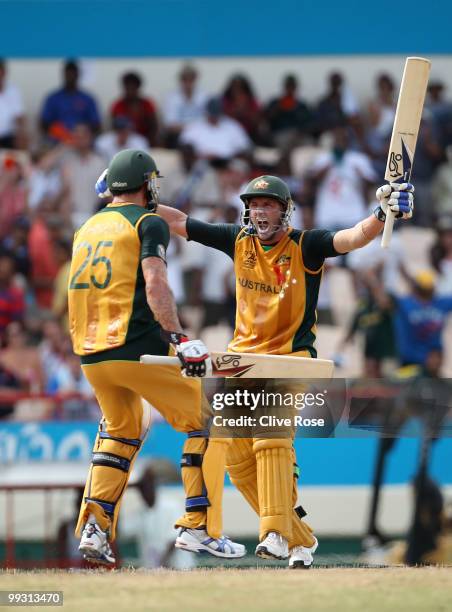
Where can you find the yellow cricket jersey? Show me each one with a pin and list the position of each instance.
(276, 288)
(106, 291)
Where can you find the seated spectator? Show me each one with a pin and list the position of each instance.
(54, 348)
(63, 254)
(441, 111)
(337, 105)
(13, 193)
(441, 186)
(12, 305)
(215, 136)
(120, 137)
(16, 245)
(441, 255)
(381, 113)
(81, 170)
(342, 178)
(22, 360)
(12, 117)
(141, 111)
(45, 182)
(183, 105)
(192, 183)
(289, 117)
(44, 268)
(240, 103)
(69, 379)
(68, 106)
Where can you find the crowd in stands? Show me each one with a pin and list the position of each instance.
(208, 145)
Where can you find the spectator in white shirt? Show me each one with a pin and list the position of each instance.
(183, 105)
(343, 178)
(12, 119)
(215, 136)
(120, 137)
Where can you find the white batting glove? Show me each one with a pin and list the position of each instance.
(194, 357)
(396, 197)
(101, 186)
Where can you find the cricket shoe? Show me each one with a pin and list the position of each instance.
(199, 541)
(94, 545)
(301, 556)
(274, 546)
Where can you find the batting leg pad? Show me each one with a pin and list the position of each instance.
(111, 464)
(241, 467)
(196, 500)
(213, 470)
(274, 461)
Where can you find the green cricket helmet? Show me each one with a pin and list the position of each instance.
(269, 187)
(129, 170)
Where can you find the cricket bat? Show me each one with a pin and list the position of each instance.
(406, 128)
(251, 365)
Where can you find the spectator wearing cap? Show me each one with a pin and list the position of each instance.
(69, 106)
(183, 105)
(12, 117)
(141, 111)
(215, 136)
(120, 137)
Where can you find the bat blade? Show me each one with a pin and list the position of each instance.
(406, 128)
(251, 365)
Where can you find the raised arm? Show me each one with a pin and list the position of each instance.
(397, 197)
(176, 219)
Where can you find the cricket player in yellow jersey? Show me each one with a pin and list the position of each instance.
(120, 305)
(278, 272)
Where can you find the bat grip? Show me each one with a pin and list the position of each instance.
(159, 360)
(387, 231)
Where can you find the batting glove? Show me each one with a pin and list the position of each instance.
(396, 197)
(193, 354)
(102, 187)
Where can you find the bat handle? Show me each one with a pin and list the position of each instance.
(387, 231)
(159, 360)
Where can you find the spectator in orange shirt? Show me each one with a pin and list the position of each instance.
(44, 267)
(140, 111)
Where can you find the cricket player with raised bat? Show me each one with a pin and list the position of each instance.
(278, 272)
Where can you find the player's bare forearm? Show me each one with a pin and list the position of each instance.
(356, 237)
(159, 295)
(176, 219)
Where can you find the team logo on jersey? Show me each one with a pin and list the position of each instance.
(281, 268)
(261, 184)
(250, 260)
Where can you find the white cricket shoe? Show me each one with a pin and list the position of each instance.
(94, 545)
(274, 546)
(199, 541)
(301, 556)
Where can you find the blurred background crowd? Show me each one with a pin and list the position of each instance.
(375, 308)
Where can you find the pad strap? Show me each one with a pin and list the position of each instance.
(108, 507)
(111, 460)
(197, 503)
(130, 441)
(199, 433)
(191, 460)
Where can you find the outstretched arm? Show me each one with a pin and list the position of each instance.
(397, 197)
(176, 219)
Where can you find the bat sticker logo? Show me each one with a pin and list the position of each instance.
(394, 160)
